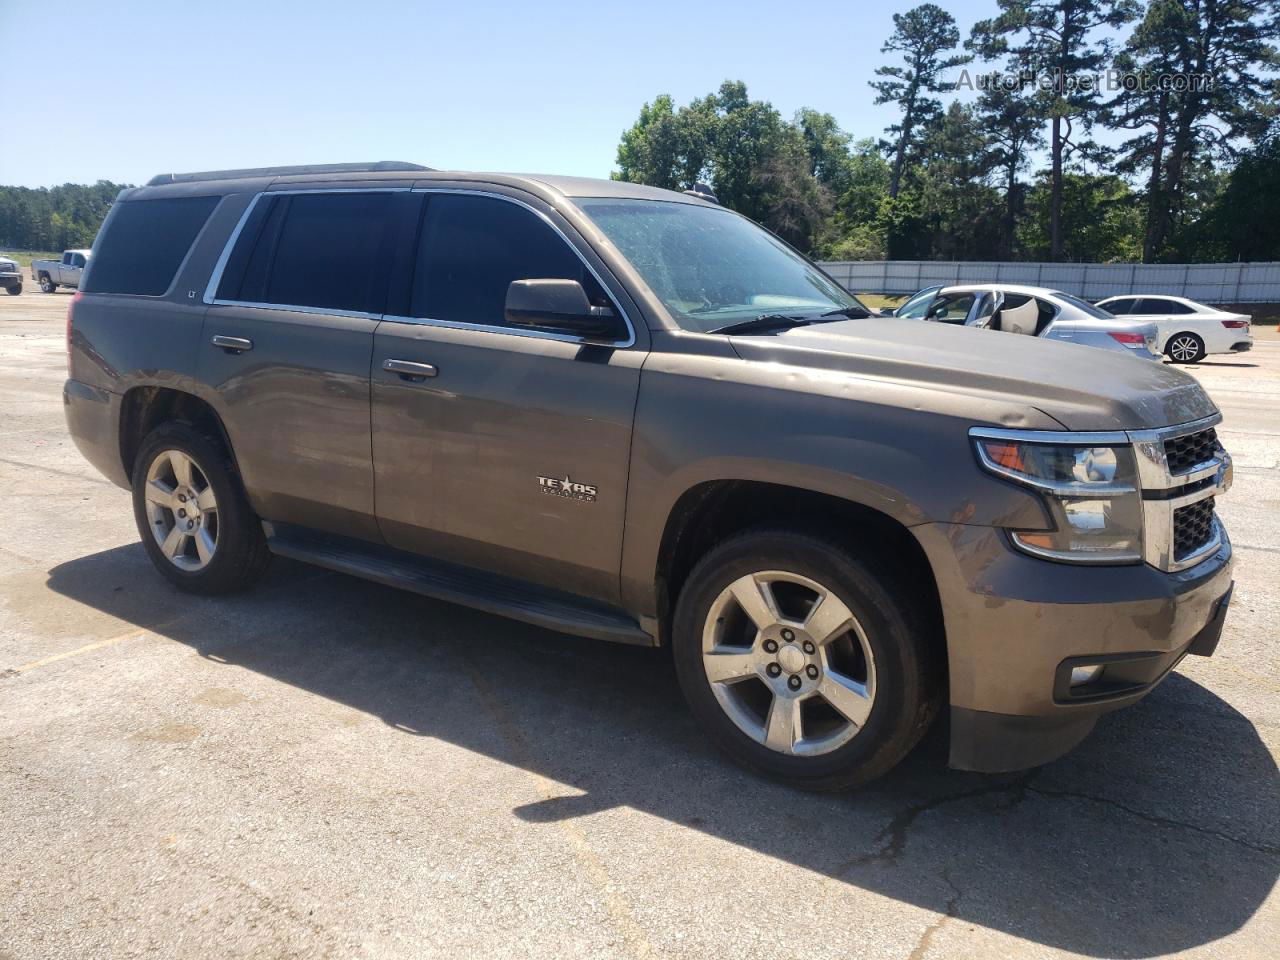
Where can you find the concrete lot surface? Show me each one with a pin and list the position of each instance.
(329, 768)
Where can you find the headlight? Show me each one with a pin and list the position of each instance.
(1091, 493)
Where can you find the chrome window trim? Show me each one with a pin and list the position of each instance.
(1095, 438)
(215, 278)
(289, 308)
(628, 341)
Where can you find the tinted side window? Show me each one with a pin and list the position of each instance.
(1119, 307)
(1156, 307)
(144, 244)
(319, 250)
(472, 247)
(1153, 307)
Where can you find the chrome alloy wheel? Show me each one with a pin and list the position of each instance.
(789, 663)
(182, 510)
(1184, 349)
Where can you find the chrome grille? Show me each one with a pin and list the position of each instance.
(1192, 528)
(1183, 453)
(1180, 470)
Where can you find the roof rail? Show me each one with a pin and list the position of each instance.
(375, 167)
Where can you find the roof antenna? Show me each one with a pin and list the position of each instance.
(702, 191)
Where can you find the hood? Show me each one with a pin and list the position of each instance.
(1083, 388)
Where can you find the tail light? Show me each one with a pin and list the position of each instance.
(71, 310)
(1235, 324)
(1134, 341)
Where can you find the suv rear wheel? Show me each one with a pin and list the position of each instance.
(800, 662)
(192, 515)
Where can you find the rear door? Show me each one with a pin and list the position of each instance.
(509, 453)
(287, 343)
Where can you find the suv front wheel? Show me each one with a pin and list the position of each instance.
(800, 662)
(195, 523)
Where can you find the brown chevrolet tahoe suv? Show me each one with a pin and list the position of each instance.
(630, 414)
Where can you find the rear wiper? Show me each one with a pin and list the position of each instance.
(764, 323)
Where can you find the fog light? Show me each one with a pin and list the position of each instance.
(1085, 674)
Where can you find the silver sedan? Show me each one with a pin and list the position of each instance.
(1032, 311)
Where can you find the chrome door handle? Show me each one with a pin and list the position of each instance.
(233, 344)
(408, 369)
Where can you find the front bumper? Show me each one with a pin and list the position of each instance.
(8, 280)
(1016, 625)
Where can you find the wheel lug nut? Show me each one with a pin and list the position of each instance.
(190, 524)
(773, 669)
(182, 513)
(771, 646)
(812, 671)
(794, 683)
(182, 498)
(788, 636)
(809, 648)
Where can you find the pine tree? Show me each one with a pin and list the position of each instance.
(1054, 38)
(923, 35)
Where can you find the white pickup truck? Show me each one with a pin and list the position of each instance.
(52, 274)
(10, 276)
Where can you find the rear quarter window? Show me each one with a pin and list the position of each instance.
(144, 244)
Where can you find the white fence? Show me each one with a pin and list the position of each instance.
(1210, 282)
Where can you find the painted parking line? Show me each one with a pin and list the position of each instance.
(68, 654)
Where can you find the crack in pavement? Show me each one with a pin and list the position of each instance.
(1156, 819)
(921, 948)
(893, 838)
(894, 835)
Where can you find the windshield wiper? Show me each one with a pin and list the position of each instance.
(853, 313)
(764, 323)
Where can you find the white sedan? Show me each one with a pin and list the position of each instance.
(1187, 331)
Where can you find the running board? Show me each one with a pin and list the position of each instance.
(489, 592)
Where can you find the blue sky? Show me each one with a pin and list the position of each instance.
(123, 90)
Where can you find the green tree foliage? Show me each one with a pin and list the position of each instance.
(1011, 126)
(1056, 38)
(923, 36)
(1230, 40)
(1100, 219)
(54, 218)
(757, 163)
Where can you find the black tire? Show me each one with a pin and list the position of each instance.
(241, 555)
(14, 290)
(907, 686)
(47, 285)
(1184, 347)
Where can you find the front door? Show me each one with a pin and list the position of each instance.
(286, 346)
(505, 449)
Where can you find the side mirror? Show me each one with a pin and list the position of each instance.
(560, 306)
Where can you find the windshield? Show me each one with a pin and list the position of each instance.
(711, 267)
(918, 305)
(1083, 305)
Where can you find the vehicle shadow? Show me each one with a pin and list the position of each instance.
(1156, 835)
(1212, 363)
